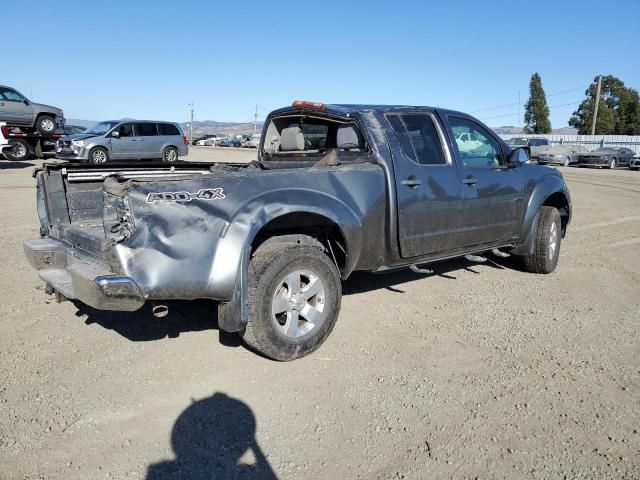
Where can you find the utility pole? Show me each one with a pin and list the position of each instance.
(191, 125)
(595, 108)
(255, 120)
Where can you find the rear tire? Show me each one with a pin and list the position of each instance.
(98, 155)
(46, 124)
(294, 300)
(546, 246)
(170, 154)
(21, 150)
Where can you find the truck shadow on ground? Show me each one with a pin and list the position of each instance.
(214, 438)
(9, 164)
(200, 315)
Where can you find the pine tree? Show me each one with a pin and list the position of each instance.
(536, 116)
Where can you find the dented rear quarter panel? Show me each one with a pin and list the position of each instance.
(188, 250)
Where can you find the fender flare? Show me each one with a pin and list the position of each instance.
(546, 187)
(231, 260)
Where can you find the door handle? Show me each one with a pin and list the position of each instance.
(411, 182)
(470, 181)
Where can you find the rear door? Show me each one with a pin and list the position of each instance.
(492, 192)
(13, 108)
(149, 142)
(125, 147)
(427, 185)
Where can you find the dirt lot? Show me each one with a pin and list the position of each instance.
(480, 370)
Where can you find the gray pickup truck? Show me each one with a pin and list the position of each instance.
(17, 110)
(334, 189)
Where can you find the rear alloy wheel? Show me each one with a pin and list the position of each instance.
(294, 300)
(98, 155)
(170, 154)
(546, 244)
(20, 150)
(46, 124)
(612, 163)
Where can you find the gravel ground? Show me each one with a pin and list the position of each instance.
(477, 371)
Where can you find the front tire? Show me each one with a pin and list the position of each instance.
(566, 162)
(612, 163)
(294, 300)
(546, 246)
(170, 154)
(98, 155)
(46, 124)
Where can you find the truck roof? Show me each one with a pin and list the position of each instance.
(349, 109)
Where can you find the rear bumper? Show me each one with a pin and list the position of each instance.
(79, 276)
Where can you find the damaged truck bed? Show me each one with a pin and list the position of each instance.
(335, 189)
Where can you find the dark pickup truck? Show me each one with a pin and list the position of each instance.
(335, 189)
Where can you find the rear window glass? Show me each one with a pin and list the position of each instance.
(169, 129)
(419, 138)
(147, 129)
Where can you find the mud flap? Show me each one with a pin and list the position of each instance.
(526, 247)
(234, 315)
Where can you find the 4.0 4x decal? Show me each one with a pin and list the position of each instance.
(204, 194)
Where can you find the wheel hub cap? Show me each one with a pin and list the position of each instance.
(553, 240)
(298, 304)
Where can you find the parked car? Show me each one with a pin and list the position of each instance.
(607, 157)
(467, 142)
(272, 239)
(564, 154)
(18, 111)
(533, 145)
(70, 130)
(225, 141)
(207, 141)
(252, 141)
(635, 162)
(124, 140)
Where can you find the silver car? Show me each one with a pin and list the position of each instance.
(125, 140)
(563, 154)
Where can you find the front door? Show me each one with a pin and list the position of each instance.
(492, 192)
(125, 146)
(14, 108)
(427, 185)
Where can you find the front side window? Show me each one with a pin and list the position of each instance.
(11, 95)
(125, 130)
(484, 152)
(147, 129)
(418, 138)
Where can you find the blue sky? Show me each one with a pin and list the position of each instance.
(143, 59)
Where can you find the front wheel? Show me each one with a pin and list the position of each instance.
(98, 155)
(46, 124)
(612, 163)
(566, 162)
(170, 154)
(294, 300)
(546, 246)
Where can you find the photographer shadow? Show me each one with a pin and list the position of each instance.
(214, 438)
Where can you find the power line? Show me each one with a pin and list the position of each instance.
(518, 103)
(518, 113)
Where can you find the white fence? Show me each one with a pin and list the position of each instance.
(590, 141)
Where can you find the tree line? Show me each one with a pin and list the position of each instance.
(618, 109)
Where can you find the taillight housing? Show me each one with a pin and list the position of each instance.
(307, 104)
(185, 140)
(5, 131)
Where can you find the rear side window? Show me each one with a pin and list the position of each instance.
(168, 129)
(146, 129)
(418, 138)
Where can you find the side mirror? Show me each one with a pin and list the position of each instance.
(27, 102)
(115, 134)
(518, 156)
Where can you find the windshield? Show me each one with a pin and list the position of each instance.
(517, 141)
(101, 128)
